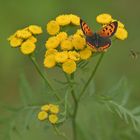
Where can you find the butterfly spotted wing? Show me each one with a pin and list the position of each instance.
(85, 28)
(109, 30)
(88, 33)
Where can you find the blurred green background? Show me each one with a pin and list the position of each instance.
(117, 62)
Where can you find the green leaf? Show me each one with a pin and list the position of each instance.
(120, 92)
(25, 91)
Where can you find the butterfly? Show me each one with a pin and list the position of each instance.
(99, 40)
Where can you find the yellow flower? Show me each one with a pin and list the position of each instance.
(121, 34)
(49, 61)
(24, 33)
(52, 43)
(104, 18)
(69, 66)
(54, 108)
(32, 39)
(27, 47)
(74, 19)
(53, 118)
(50, 51)
(66, 45)
(62, 36)
(63, 20)
(15, 42)
(120, 24)
(73, 55)
(42, 115)
(78, 42)
(53, 27)
(61, 56)
(85, 54)
(34, 29)
(79, 32)
(45, 108)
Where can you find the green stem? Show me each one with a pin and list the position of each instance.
(42, 75)
(91, 77)
(75, 108)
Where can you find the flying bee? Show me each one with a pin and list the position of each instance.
(134, 54)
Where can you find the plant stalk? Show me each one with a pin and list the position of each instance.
(42, 75)
(91, 76)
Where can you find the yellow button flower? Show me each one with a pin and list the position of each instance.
(50, 51)
(78, 42)
(74, 19)
(45, 108)
(79, 32)
(85, 54)
(23, 34)
(74, 55)
(120, 24)
(66, 45)
(34, 29)
(63, 20)
(62, 36)
(49, 61)
(61, 56)
(104, 18)
(54, 108)
(53, 27)
(121, 34)
(15, 42)
(32, 39)
(27, 47)
(52, 43)
(42, 115)
(69, 66)
(53, 118)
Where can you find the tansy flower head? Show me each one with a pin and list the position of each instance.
(61, 57)
(27, 47)
(24, 33)
(15, 42)
(121, 34)
(74, 19)
(85, 54)
(62, 36)
(78, 42)
(42, 115)
(63, 20)
(32, 39)
(49, 61)
(73, 55)
(54, 108)
(50, 51)
(34, 29)
(69, 66)
(53, 118)
(66, 45)
(104, 18)
(53, 27)
(52, 43)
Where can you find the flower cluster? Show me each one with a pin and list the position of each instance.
(121, 32)
(63, 49)
(50, 112)
(25, 39)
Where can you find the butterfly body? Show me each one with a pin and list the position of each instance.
(99, 40)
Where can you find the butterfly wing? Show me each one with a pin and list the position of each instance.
(109, 30)
(85, 28)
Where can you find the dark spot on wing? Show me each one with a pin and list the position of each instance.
(111, 25)
(106, 28)
(108, 34)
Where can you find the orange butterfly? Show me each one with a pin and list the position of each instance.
(101, 39)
